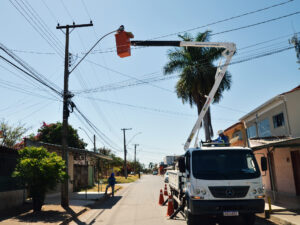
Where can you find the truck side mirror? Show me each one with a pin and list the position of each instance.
(263, 163)
(181, 165)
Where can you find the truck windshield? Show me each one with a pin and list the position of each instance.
(224, 165)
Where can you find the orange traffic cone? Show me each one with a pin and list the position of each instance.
(170, 209)
(166, 191)
(161, 198)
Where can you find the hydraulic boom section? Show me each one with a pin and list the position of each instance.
(229, 50)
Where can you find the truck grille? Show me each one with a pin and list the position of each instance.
(229, 191)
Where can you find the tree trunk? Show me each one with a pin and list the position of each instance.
(207, 126)
(206, 120)
(38, 202)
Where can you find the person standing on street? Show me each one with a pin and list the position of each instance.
(111, 183)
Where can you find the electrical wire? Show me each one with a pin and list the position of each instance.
(160, 78)
(19, 88)
(219, 21)
(97, 131)
(152, 109)
(40, 32)
(30, 75)
(32, 71)
(255, 24)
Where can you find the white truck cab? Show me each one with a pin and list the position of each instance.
(219, 182)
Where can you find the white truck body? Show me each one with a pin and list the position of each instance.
(216, 187)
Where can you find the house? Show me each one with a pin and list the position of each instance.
(273, 130)
(237, 134)
(84, 166)
(11, 193)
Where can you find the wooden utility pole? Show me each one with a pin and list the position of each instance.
(66, 102)
(125, 151)
(135, 157)
(94, 143)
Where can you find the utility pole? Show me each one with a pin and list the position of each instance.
(125, 151)
(94, 143)
(66, 103)
(135, 157)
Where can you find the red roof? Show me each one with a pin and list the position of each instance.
(295, 89)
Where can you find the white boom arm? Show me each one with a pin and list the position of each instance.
(228, 53)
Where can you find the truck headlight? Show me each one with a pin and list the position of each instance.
(203, 191)
(197, 191)
(260, 190)
(254, 191)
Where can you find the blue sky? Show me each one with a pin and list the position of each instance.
(162, 133)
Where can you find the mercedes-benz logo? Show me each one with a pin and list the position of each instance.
(229, 192)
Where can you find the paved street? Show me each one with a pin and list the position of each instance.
(136, 204)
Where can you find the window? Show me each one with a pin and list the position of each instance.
(239, 134)
(264, 128)
(278, 120)
(251, 131)
(224, 165)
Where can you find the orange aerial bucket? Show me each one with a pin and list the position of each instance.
(123, 43)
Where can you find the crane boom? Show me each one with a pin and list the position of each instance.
(229, 51)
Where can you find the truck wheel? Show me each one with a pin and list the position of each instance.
(249, 219)
(190, 219)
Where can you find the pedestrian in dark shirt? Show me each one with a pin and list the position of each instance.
(111, 183)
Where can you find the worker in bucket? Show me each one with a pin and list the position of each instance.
(111, 183)
(222, 139)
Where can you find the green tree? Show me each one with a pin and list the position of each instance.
(40, 171)
(11, 135)
(52, 133)
(197, 75)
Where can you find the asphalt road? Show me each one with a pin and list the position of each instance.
(136, 204)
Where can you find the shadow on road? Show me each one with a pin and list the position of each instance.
(102, 206)
(6, 214)
(239, 221)
(50, 216)
(107, 204)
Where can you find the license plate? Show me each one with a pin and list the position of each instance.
(231, 213)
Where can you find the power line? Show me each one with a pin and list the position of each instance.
(155, 109)
(267, 41)
(27, 81)
(97, 131)
(221, 21)
(30, 75)
(19, 88)
(225, 20)
(42, 24)
(160, 78)
(41, 32)
(256, 24)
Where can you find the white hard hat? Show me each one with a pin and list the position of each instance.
(220, 132)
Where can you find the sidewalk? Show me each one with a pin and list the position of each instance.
(52, 212)
(286, 209)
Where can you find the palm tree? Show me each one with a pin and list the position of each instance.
(197, 75)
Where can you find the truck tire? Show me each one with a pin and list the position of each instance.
(249, 219)
(190, 219)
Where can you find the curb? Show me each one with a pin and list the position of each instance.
(275, 219)
(68, 220)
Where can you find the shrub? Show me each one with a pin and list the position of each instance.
(40, 171)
